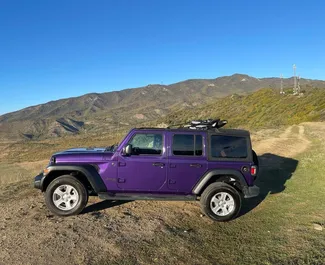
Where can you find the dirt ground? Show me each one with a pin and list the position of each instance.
(288, 144)
(106, 231)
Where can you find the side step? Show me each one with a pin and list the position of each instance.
(139, 196)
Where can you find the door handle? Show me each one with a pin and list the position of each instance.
(120, 180)
(196, 165)
(158, 164)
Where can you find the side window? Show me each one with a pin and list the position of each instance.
(198, 145)
(228, 146)
(187, 145)
(147, 144)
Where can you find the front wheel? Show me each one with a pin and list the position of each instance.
(66, 196)
(220, 201)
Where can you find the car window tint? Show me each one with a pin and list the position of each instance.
(228, 146)
(184, 145)
(198, 145)
(147, 144)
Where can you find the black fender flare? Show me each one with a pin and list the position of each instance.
(219, 172)
(88, 171)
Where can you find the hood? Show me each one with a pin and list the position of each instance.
(82, 155)
(82, 151)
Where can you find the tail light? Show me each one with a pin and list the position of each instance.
(253, 170)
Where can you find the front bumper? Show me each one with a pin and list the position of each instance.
(250, 192)
(38, 181)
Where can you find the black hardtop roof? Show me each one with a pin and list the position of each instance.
(235, 132)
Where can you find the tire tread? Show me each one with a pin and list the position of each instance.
(66, 179)
(216, 187)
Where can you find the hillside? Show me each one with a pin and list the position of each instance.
(264, 108)
(95, 113)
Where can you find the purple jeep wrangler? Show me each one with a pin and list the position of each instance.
(216, 166)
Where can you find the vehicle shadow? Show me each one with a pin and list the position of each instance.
(102, 205)
(274, 171)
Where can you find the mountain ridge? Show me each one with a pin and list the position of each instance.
(277, 85)
(93, 111)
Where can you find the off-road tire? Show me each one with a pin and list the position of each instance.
(76, 184)
(210, 192)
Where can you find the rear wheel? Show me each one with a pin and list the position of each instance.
(66, 196)
(220, 201)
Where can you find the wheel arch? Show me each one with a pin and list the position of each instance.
(86, 174)
(232, 177)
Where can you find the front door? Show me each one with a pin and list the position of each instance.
(187, 161)
(145, 169)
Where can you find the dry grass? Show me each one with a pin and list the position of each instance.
(15, 172)
(275, 228)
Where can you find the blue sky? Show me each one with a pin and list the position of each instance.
(56, 49)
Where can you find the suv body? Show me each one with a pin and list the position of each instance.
(217, 166)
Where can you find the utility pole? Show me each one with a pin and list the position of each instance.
(294, 80)
(281, 88)
(298, 85)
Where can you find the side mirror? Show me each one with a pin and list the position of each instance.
(127, 150)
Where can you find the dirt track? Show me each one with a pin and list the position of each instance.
(289, 143)
(31, 235)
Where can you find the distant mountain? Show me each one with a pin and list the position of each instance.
(103, 112)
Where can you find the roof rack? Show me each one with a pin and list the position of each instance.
(206, 124)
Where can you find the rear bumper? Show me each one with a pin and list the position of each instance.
(38, 181)
(250, 192)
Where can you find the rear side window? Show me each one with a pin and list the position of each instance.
(187, 145)
(147, 144)
(228, 146)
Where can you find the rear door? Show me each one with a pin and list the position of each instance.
(187, 160)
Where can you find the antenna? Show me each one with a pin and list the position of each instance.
(294, 80)
(281, 88)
